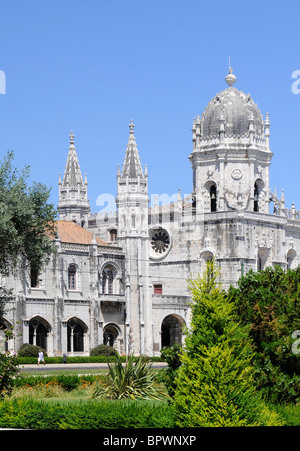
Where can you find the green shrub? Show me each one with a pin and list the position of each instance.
(30, 414)
(8, 372)
(216, 385)
(171, 355)
(66, 381)
(133, 380)
(27, 350)
(103, 350)
(290, 414)
(269, 301)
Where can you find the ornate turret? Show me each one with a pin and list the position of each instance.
(132, 204)
(73, 204)
(132, 166)
(132, 198)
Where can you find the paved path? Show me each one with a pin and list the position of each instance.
(76, 366)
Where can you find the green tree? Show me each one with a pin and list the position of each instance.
(269, 301)
(171, 355)
(9, 369)
(26, 227)
(26, 220)
(215, 384)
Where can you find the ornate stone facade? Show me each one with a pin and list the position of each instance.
(130, 290)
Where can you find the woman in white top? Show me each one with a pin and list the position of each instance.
(41, 357)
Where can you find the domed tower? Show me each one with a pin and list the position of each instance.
(231, 154)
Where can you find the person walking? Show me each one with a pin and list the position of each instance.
(41, 357)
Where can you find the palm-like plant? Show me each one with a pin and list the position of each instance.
(135, 379)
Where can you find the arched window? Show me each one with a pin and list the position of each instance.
(76, 330)
(262, 259)
(110, 335)
(171, 330)
(259, 264)
(291, 259)
(72, 277)
(206, 256)
(213, 198)
(113, 235)
(34, 277)
(256, 197)
(109, 283)
(110, 280)
(258, 189)
(38, 332)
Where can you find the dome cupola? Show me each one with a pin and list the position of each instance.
(233, 112)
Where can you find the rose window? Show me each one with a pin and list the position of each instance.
(159, 242)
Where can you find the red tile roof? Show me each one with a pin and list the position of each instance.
(70, 232)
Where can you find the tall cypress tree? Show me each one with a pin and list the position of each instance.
(215, 385)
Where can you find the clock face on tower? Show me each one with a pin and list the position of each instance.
(160, 242)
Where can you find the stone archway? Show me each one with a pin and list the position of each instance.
(76, 336)
(171, 330)
(110, 335)
(291, 259)
(39, 330)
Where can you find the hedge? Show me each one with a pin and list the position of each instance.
(66, 381)
(31, 414)
(88, 359)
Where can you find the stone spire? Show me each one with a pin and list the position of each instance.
(73, 203)
(72, 175)
(132, 165)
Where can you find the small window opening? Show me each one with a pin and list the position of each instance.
(213, 198)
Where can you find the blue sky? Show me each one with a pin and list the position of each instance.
(93, 65)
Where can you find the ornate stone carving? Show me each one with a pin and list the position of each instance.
(236, 174)
(237, 200)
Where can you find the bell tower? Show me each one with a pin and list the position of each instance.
(73, 203)
(132, 204)
(231, 154)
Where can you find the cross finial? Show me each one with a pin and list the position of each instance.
(71, 135)
(131, 126)
(230, 78)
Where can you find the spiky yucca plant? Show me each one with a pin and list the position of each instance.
(135, 379)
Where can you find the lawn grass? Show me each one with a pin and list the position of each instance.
(52, 372)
